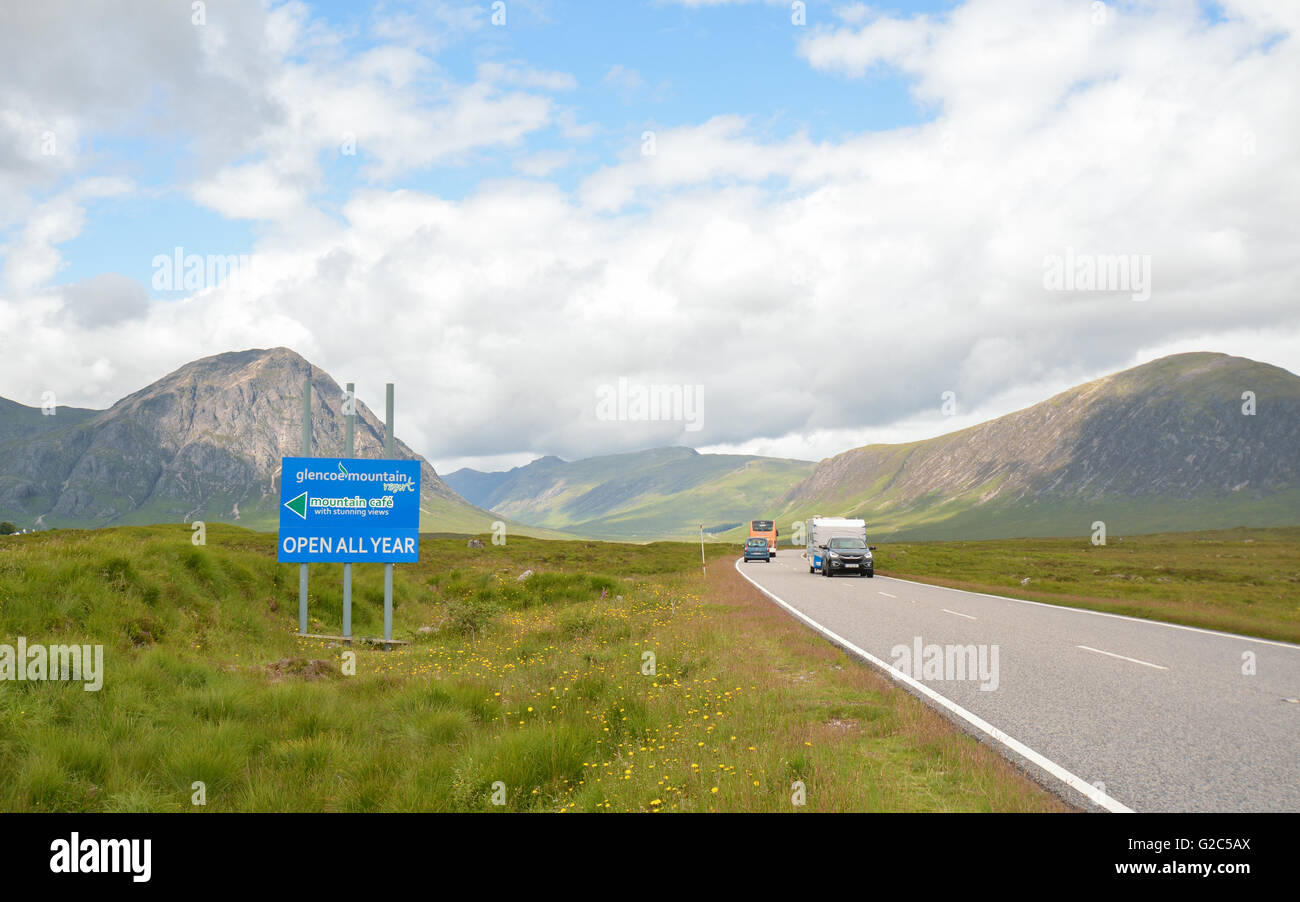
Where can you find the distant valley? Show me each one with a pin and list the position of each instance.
(663, 492)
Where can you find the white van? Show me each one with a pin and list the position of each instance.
(822, 529)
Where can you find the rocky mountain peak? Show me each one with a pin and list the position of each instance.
(203, 441)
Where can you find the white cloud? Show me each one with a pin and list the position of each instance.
(105, 299)
(32, 259)
(886, 40)
(691, 155)
(823, 293)
(363, 109)
(526, 77)
(253, 191)
(625, 79)
(545, 162)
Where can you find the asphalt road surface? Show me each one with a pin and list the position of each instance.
(1142, 715)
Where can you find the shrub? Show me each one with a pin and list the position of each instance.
(471, 615)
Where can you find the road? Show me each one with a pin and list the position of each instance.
(1116, 712)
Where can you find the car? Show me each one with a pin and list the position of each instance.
(822, 529)
(848, 555)
(765, 529)
(756, 550)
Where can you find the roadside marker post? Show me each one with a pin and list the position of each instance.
(703, 570)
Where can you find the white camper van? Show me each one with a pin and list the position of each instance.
(822, 529)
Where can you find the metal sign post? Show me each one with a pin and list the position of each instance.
(388, 453)
(347, 509)
(306, 452)
(350, 417)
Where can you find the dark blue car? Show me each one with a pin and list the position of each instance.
(756, 550)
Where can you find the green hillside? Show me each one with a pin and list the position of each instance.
(660, 493)
(1161, 447)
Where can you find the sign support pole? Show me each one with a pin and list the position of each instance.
(349, 442)
(350, 422)
(306, 452)
(388, 453)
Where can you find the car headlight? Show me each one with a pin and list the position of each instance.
(833, 555)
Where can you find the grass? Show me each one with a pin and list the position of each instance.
(1238, 580)
(538, 691)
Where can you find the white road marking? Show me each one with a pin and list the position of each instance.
(887, 595)
(1121, 657)
(959, 614)
(1061, 607)
(1076, 783)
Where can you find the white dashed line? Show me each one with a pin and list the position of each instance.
(959, 614)
(887, 595)
(1121, 657)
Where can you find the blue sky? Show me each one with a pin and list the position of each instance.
(500, 247)
(691, 63)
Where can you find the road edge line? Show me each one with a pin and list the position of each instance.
(1078, 784)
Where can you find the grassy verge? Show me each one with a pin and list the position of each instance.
(1240, 580)
(538, 691)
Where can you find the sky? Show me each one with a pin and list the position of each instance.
(803, 227)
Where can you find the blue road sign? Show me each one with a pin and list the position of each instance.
(349, 510)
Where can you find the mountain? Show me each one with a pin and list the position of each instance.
(1161, 447)
(203, 443)
(663, 492)
(18, 421)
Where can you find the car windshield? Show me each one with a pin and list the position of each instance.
(847, 544)
(757, 542)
